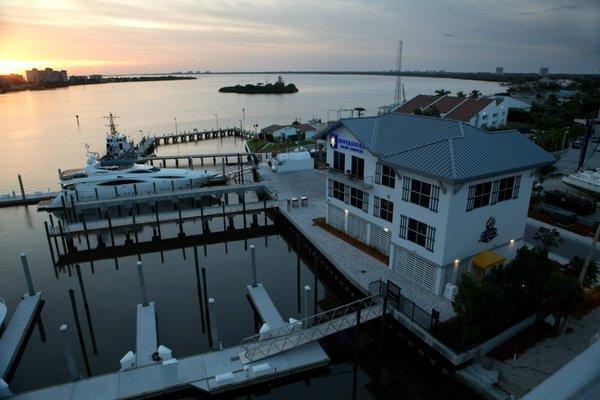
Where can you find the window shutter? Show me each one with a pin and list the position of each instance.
(495, 187)
(435, 198)
(430, 238)
(403, 223)
(329, 188)
(377, 173)
(517, 186)
(376, 205)
(365, 206)
(405, 188)
(471, 198)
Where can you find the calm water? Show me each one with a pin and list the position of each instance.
(40, 135)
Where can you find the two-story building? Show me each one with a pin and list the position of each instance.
(438, 196)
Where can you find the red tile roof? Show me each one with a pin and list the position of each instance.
(447, 103)
(467, 110)
(420, 101)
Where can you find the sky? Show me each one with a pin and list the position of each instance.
(105, 36)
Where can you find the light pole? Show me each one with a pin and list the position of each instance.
(176, 131)
(217, 121)
(141, 134)
(241, 127)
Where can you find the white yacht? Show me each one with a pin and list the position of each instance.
(116, 178)
(585, 180)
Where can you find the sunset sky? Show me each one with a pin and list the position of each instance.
(106, 36)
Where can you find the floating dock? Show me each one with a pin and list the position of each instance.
(212, 372)
(16, 331)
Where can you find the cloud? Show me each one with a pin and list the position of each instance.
(520, 35)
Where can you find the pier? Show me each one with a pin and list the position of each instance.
(196, 134)
(24, 198)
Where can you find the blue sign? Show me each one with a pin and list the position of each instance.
(337, 142)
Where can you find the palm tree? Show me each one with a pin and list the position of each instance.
(543, 174)
(360, 111)
(442, 92)
(475, 94)
(460, 93)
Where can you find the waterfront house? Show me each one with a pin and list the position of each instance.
(438, 196)
(279, 132)
(482, 111)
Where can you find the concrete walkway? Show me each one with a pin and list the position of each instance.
(357, 266)
(518, 376)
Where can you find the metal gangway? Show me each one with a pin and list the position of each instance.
(311, 328)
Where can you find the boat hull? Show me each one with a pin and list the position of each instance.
(584, 186)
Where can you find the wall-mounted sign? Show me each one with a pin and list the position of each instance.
(490, 231)
(337, 142)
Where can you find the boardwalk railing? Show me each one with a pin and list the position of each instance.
(312, 328)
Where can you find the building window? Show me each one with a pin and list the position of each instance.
(358, 167)
(338, 190)
(385, 175)
(359, 199)
(479, 195)
(383, 209)
(484, 116)
(417, 232)
(421, 193)
(505, 189)
(495, 115)
(339, 161)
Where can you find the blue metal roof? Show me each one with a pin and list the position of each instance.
(445, 149)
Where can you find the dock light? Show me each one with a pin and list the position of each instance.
(456, 262)
(512, 241)
(386, 230)
(346, 211)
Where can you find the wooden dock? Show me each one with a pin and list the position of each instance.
(16, 331)
(132, 222)
(196, 134)
(146, 336)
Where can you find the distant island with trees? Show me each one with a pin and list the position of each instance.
(278, 87)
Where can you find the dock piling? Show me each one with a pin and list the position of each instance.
(253, 257)
(213, 325)
(307, 301)
(21, 186)
(27, 274)
(142, 283)
(69, 352)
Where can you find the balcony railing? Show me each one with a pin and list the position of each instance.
(361, 182)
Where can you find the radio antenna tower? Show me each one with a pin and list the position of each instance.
(399, 94)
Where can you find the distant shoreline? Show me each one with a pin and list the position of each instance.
(512, 77)
(110, 79)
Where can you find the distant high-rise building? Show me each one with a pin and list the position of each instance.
(499, 70)
(544, 71)
(47, 75)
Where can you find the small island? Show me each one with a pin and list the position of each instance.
(278, 87)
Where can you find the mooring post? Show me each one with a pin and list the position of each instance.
(142, 283)
(110, 228)
(244, 208)
(21, 186)
(85, 232)
(27, 274)
(307, 301)
(69, 352)
(213, 324)
(253, 257)
(223, 161)
(49, 242)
